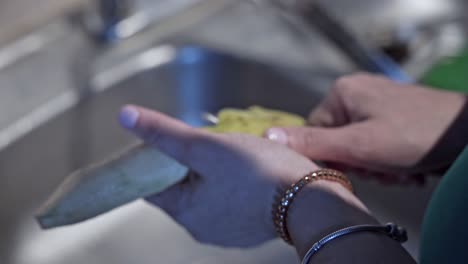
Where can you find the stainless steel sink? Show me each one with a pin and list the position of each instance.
(180, 81)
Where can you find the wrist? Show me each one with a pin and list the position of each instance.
(449, 145)
(321, 208)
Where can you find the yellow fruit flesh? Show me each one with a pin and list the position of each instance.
(254, 121)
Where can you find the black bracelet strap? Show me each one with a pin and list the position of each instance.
(449, 145)
(390, 229)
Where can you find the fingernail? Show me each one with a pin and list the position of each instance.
(128, 117)
(277, 135)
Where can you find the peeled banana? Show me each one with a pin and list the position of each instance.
(254, 121)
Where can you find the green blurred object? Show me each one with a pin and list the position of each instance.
(444, 229)
(449, 74)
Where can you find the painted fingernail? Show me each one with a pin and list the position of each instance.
(128, 117)
(277, 135)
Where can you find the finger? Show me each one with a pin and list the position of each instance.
(331, 112)
(348, 100)
(321, 116)
(346, 145)
(171, 136)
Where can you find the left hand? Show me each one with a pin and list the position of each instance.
(228, 201)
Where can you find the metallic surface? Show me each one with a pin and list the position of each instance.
(194, 81)
(313, 15)
(110, 21)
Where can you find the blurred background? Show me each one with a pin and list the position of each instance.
(66, 66)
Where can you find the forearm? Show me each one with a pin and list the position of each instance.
(316, 212)
(449, 145)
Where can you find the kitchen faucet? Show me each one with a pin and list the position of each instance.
(110, 21)
(111, 14)
(312, 14)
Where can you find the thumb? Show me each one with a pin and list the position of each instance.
(169, 135)
(326, 144)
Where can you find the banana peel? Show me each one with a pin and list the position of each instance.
(140, 171)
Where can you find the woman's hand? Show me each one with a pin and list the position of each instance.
(228, 199)
(373, 123)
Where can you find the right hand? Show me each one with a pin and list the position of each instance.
(372, 123)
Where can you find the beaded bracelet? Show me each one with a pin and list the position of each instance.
(281, 206)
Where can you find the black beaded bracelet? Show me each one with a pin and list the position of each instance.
(392, 230)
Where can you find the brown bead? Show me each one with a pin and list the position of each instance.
(285, 199)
